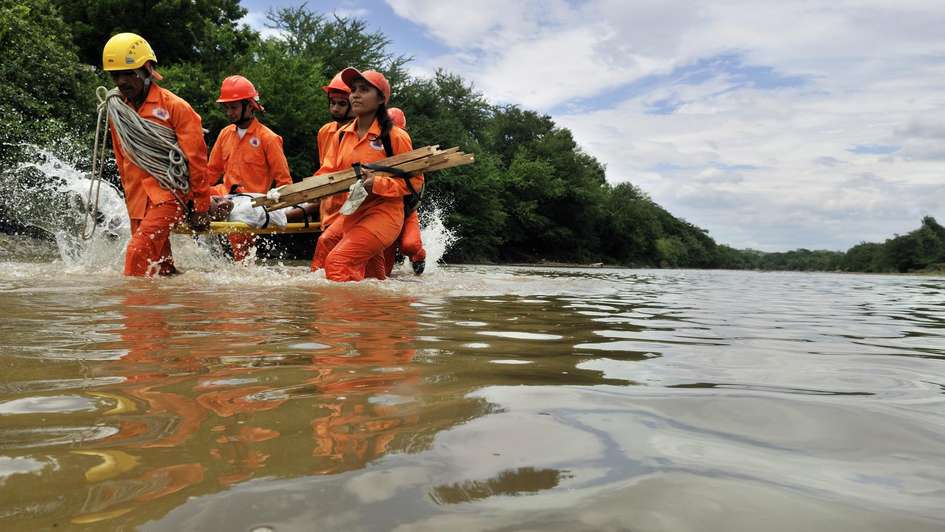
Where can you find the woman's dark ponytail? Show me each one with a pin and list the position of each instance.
(383, 118)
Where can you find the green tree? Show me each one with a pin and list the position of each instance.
(671, 252)
(44, 89)
(917, 250)
(631, 227)
(337, 42)
(864, 257)
(206, 32)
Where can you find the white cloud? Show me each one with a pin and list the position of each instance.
(758, 149)
(258, 21)
(351, 12)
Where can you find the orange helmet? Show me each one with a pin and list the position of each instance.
(375, 78)
(236, 88)
(337, 84)
(397, 117)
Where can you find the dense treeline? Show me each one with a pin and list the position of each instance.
(919, 250)
(533, 193)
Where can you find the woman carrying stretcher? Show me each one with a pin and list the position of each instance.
(354, 245)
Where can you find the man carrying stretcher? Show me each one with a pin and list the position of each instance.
(247, 155)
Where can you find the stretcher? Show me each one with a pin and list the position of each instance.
(226, 228)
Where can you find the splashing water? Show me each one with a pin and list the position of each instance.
(51, 194)
(437, 238)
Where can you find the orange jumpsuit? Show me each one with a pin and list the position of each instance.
(152, 209)
(365, 234)
(254, 163)
(329, 206)
(409, 243)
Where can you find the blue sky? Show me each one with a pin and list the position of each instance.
(774, 125)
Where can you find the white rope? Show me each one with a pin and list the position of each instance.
(98, 162)
(151, 146)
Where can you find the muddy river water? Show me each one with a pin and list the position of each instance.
(472, 398)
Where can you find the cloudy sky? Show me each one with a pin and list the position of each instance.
(773, 124)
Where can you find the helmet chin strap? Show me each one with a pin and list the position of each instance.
(144, 75)
(243, 120)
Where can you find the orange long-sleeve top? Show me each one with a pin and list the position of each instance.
(323, 139)
(164, 107)
(252, 163)
(387, 192)
(329, 206)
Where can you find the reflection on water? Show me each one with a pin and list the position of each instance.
(478, 398)
(520, 481)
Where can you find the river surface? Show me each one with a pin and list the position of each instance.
(473, 398)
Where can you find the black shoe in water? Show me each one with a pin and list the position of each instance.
(418, 266)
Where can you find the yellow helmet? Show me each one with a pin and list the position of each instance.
(126, 51)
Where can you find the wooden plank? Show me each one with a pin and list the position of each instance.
(467, 158)
(396, 160)
(426, 159)
(311, 194)
(321, 191)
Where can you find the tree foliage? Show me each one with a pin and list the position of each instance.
(922, 249)
(43, 86)
(206, 31)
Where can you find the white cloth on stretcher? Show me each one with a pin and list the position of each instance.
(243, 211)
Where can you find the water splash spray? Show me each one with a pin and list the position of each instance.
(49, 193)
(437, 238)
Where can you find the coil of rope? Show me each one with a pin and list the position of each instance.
(151, 146)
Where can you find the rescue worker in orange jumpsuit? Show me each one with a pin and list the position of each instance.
(247, 154)
(340, 110)
(377, 222)
(153, 210)
(409, 243)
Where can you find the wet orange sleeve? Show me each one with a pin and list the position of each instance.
(393, 187)
(323, 139)
(189, 129)
(215, 167)
(278, 165)
(116, 148)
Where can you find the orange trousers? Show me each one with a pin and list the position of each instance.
(409, 242)
(326, 241)
(329, 239)
(149, 250)
(359, 253)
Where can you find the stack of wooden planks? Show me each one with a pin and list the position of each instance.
(419, 161)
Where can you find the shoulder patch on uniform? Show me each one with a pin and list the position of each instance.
(377, 143)
(254, 142)
(161, 113)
